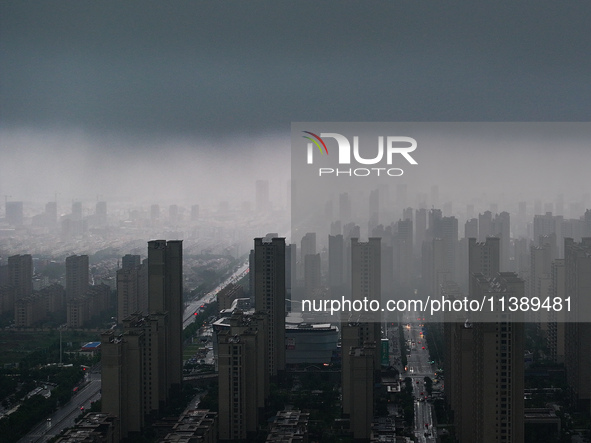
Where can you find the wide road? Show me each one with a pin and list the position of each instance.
(419, 368)
(64, 417)
(193, 306)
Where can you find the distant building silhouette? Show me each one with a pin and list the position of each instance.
(311, 274)
(14, 213)
(485, 226)
(76, 211)
(484, 257)
(194, 213)
(501, 227)
(20, 274)
(51, 214)
(336, 265)
(101, 214)
(402, 247)
(262, 203)
(154, 214)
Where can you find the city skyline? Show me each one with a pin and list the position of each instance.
(90, 108)
(184, 127)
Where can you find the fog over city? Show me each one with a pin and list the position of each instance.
(167, 103)
(190, 231)
(77, 166)
(137, 170)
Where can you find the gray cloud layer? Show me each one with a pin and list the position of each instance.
(220, 68)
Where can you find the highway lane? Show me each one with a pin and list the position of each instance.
(193, 306)
(418, 368)
(64, 417)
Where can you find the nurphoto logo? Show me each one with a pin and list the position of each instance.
(394, 146)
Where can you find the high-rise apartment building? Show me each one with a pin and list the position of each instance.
(76, 276)
(311, 274)
(269, 296)
(361, 375)
(290, 269)
(547, 225)
(471, 228)
(484, 226)
(20, 274)
(132, 287)
(402, 250)
(586, 229)
(243, 375)
(122, 375)
(437, 269)
(308, 244)
(484, 360)
(484, 257)
(501, 227)
(577, 264)
(366, 269)
(130, 261)
(556, 327)
(165, 296)
(420, 229)
(541, 265)
(336, 265)
(142, 368)
(360, 336)
(486, 369)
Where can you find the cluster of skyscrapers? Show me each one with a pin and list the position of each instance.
(421, 252)
(80, 300)
(142, 366)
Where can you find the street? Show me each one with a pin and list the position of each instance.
(193, 306)
(418, 368)
(64, 417)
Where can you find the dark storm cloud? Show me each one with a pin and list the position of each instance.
(219, 68)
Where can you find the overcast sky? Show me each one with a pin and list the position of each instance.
(97, 81)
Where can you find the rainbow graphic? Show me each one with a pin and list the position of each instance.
(315, 142)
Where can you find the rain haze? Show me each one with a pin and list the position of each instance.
(192, 101)
(166, 202)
